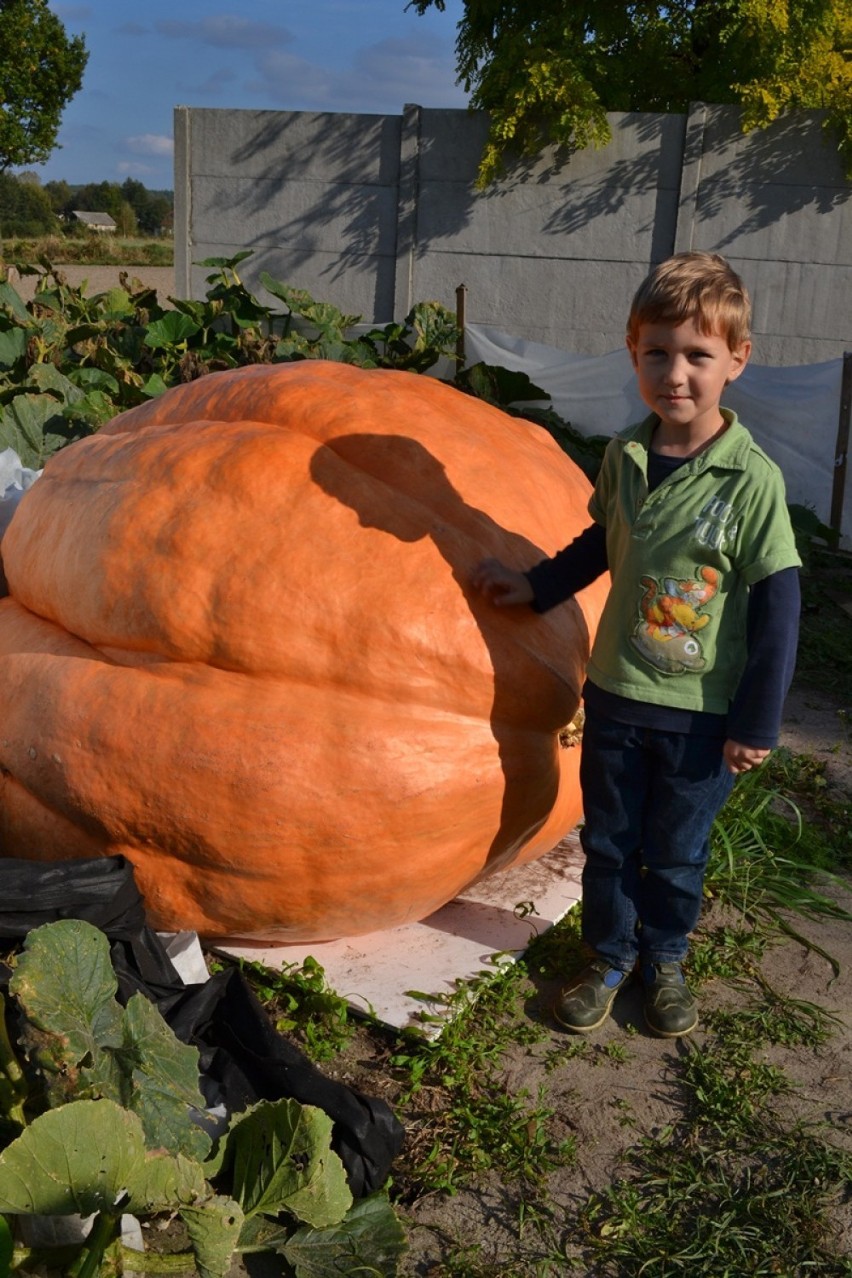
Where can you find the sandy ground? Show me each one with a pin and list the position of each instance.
(607, 1105)
(98, 279)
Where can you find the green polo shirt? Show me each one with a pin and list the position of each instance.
(673, 631)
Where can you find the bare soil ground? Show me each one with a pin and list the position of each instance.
(626, 1084)
(607, 1102)
(99, 279)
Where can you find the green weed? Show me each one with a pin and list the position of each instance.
(300, 1003)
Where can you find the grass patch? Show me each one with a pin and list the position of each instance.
(91, 250)
(722, 1202)
(733, 1185)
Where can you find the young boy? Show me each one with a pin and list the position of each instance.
(696, 645)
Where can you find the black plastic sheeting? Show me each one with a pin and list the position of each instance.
(243, 1059)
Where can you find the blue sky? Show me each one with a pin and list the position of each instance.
(278, 55)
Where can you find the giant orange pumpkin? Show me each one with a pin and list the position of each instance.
(241, 649)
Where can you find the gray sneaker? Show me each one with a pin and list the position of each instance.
(585, 1003)
(670, 1008)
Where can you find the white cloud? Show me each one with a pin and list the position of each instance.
(382, 77)
(227, 31)
(412, 69)
(150, 144)
(130, 169)
(216, 84)
(286, 79)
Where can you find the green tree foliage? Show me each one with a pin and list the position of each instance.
(134, 209)
(41, 68)
(61, 197)
(25, 208)
(153, 209)
(549, 72)
(98, 197)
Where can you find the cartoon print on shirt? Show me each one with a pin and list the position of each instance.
(671, 619)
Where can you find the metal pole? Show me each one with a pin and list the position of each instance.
(841, 452)
(461, 308)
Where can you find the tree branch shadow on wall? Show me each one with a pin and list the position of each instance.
(352, 224)
(364, 213)
(760, 165)
(589, 184)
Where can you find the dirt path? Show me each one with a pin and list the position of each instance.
(98, 279)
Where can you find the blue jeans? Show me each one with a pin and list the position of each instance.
(649, 799)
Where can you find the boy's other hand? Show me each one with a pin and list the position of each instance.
(501, 585)
(742, 758)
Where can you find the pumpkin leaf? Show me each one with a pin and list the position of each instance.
(283, 1161)
(369, 1240)
(154, 386)
(116, 302)
(262, 1233)
(500, 386)
(13, 347)
(45, 377)
(164, 1076)
(79, 1033)
(7, 1246)
(66, 985)
(214, 1228)
(172, 329)
(91, 379)
(25, 424)
(10, 297)
(87, 1156)
(226, 261)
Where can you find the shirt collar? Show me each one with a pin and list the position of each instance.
(730, 451)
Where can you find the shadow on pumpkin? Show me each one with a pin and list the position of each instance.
(394, 484)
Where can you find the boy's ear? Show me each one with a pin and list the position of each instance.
(739, 359)
(631, 347)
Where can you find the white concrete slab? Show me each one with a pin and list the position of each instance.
(490, 924)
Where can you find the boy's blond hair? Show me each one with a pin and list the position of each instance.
(701, 287)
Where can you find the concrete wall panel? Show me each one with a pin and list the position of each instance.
(572, 306)
(284, 145)
(374, 213)
(331, 217)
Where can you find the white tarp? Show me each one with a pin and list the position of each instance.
(15, 479)
(791, 412)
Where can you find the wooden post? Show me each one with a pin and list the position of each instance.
(461, 306)
(841, 452)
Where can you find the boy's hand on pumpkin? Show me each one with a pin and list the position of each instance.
(742, 758)
(501, 585)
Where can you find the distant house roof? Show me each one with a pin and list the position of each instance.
(97, 221)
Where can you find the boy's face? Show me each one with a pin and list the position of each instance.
(682, 373)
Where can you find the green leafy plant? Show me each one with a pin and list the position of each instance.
(301, 1003)
(70, 362)
(107, 1118)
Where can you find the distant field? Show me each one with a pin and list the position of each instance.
(95, 250)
